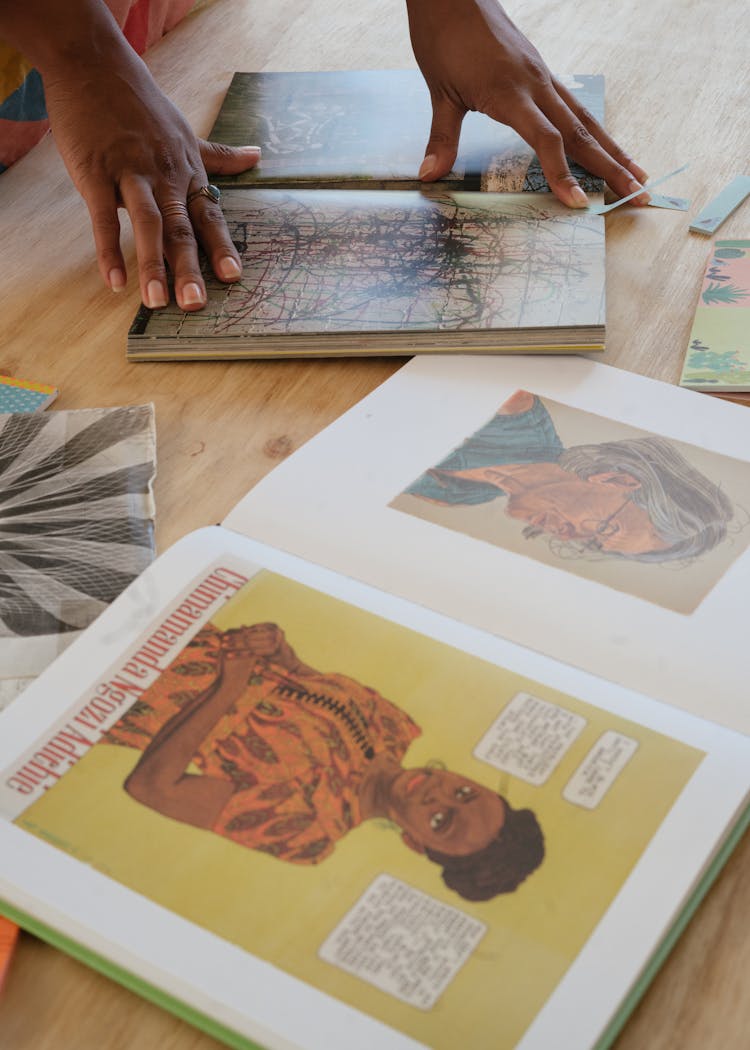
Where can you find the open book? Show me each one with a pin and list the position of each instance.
(301, 783)
(345, 253)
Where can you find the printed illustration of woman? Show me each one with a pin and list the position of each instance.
(636, 498)
(288, 760)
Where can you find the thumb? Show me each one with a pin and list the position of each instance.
(219, 159)
(442, 145)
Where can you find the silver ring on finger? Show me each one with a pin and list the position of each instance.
(211, 192)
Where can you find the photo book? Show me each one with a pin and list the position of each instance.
(341, 272)
(401, 755)
(346, 253)
(368, 128)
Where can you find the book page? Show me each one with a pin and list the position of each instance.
(594, 515)
(365, 127)
(356, 271)
(522, 811)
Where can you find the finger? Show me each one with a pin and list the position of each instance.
(600, 133)
(442, 145)
(547, 142)
(101, 202)
(227, 160)
(181, 250)
(211, 229)
(582, 146)
(138, 198)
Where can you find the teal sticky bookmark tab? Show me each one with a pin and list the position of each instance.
(658, 200)
(602, 209)
(721, 207)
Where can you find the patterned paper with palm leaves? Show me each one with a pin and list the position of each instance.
(718, 355)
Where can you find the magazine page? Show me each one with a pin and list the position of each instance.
(594, 515)
(326, 817)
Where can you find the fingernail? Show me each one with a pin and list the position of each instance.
(249, 151)
(156, 295)
(644, 198)
(192, 294)
(116, 280)
(228, 269)
(639, 172)
(428, 166)
(578, 197)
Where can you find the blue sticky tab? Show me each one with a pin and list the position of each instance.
(658, 200)
(602, 209)
(721, 207)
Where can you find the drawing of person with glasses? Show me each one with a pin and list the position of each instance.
(636, 498)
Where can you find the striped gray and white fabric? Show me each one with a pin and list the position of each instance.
(76, 517)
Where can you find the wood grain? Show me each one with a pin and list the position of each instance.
(677, 84)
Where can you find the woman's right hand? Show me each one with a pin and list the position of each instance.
(474, 58)
(125, 145)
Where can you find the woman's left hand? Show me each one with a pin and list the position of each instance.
(473, 58)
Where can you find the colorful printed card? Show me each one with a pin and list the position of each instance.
(24, 395)
(718, 355)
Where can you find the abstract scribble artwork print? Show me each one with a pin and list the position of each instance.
(351, 261)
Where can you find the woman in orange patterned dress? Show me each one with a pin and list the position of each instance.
(242, 738)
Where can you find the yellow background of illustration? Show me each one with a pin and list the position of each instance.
(283, 913)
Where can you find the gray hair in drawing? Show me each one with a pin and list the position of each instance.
(689, 511)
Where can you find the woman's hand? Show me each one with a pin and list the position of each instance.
(260, 640)
(125, 145)
(474, 58)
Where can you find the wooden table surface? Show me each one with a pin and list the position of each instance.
(677, 88)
